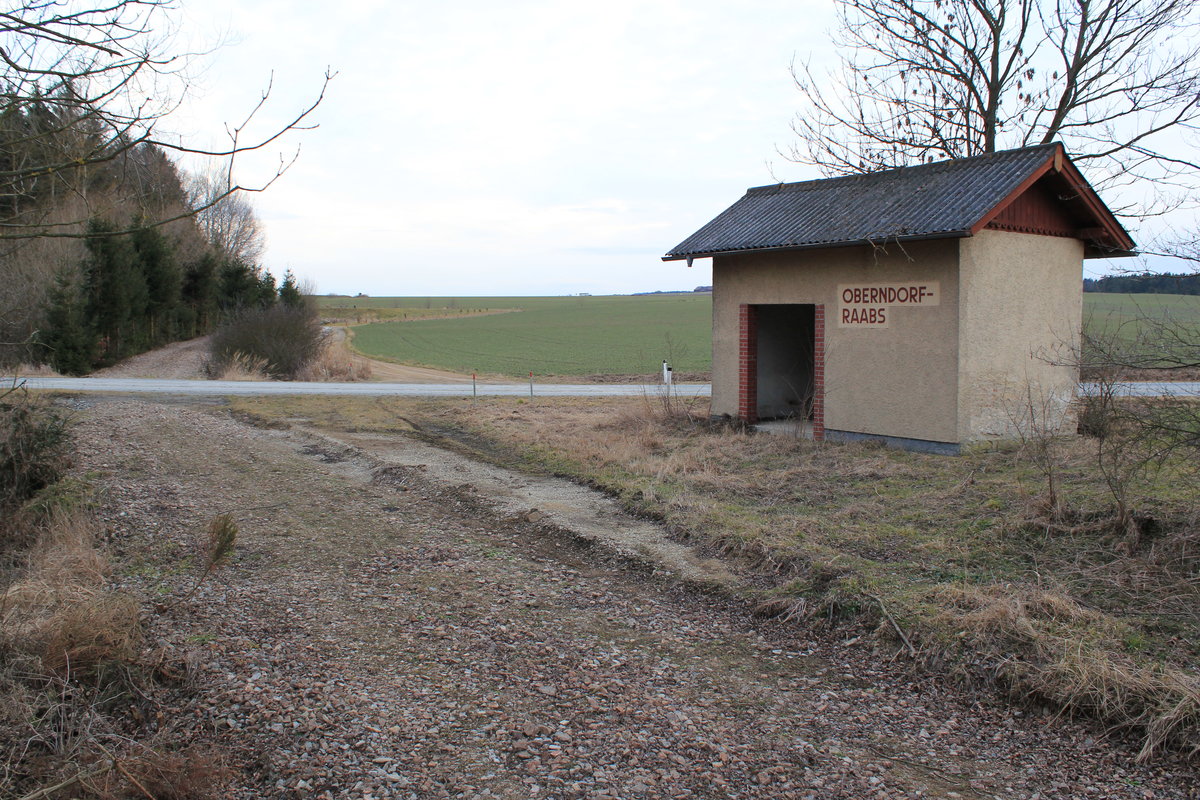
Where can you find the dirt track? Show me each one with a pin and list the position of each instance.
(185, 361)
(388, 629)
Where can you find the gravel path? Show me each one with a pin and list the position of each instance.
(186, 360)
(175, 361)
(388, 632)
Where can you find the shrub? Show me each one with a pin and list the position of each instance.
(285, 338)
(33, 446)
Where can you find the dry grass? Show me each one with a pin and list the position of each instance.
(64, 569)
(336, 363)
(33, 447)
(87, 636)
(240, 367)
(62, 611)
(1031, 643)
(34, 371)
(194, 773)
(71, 665)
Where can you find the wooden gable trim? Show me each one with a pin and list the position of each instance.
(1106, 228)
(1113, 232)
(1015, 193)
(1037, 211)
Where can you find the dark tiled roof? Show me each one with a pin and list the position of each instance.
(928, 201)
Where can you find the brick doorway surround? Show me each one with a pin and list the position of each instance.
(748, 367)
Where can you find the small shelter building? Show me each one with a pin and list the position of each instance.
(930, 307)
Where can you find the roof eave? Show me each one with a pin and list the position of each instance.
(819, 245)
(1100, 250)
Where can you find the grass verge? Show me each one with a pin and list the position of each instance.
(77, 685)
(961, 563)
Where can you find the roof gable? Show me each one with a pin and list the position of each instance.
(1036, 189)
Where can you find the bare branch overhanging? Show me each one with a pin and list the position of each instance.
(1117, 81)
(82, 87)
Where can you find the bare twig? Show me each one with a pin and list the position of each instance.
(912, 651)
(81, 777)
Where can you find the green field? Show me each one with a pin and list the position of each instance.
(608, 335)
(605, 335)
(1112, 311)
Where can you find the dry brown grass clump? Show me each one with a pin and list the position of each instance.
(70, 665)
(83, 637)
(34, 371)
(1026, 634)
(1160, 703)
(60, 609)
(64, 569)
(336, 363)
(239, 367)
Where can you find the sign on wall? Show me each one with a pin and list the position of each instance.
(870, 305)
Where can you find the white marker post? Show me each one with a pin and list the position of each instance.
(667, 374)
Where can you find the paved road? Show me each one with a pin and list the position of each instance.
(154, 386)
(1153, 389)
(195, 387)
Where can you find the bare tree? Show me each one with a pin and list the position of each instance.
(82, 88)
(227, 220)
(1118, 81)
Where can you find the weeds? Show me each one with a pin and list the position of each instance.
(83, 638)
(238, 366)
(33, 446)
(74, 678)
(335, 363)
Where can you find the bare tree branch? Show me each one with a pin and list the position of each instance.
(85, 87)
(1118, 81)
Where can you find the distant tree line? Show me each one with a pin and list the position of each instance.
(112, 280)
(1145, 283)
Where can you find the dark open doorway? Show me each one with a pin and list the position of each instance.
(786, 371)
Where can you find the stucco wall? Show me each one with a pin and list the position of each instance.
(901, 380)
(1020, 315)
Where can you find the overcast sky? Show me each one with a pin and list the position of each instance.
(527, 147)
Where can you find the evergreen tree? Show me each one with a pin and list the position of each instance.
(289, 291)
(163, 284)
(116, 292)
(198, 294)
(69, 339)
(267, 293)
(243, 287)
